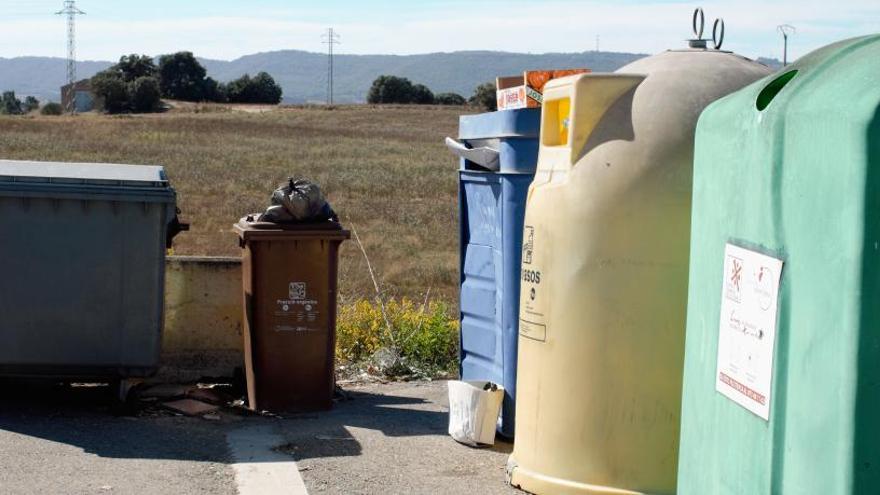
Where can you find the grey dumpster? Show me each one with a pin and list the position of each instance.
(82, 253)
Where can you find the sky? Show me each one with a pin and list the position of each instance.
(226, 29)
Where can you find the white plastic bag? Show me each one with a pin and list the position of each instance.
(473, 411)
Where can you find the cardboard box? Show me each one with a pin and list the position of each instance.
(526, 91)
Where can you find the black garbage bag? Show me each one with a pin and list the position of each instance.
(298, 201)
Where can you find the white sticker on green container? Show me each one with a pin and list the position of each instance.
(747, 331)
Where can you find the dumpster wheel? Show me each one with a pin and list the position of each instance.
(128, 391)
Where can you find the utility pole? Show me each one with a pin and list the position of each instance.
(71, 12)
(330, 38)
(785, 30)
(597, 43)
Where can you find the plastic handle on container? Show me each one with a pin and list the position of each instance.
(487, 158)
(590, 96)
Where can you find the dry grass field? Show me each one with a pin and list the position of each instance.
(384, 169)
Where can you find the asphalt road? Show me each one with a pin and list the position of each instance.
(385, 439)
(392, 439)
(67, 440)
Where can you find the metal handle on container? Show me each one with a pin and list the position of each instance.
(175, 226)
(487, 158)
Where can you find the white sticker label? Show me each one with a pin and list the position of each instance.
(297, 313)
(747, 331)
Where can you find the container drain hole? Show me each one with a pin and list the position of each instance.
(768, 93)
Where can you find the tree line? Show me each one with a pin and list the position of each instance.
(137, 84)
(394, 89)
(12, 105)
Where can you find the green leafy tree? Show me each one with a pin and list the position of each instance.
(134, 66)
(450, 99)
(144, 95)
(182, 77)
(238, 90)
(30, 104)
(129, 85)
(390, 89)
(484, 97)
(9, 104)
(112, 90)
(259, 89)
(214, 91)
(421, 95)
(266, 89)
(52, 108)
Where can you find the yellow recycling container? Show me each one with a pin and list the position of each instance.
(604, 274)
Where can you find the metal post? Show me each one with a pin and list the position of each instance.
(785, 30)
(71, 12)
(330, 38)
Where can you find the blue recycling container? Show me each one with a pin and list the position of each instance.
(499, 153)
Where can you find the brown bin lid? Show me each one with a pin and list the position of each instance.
(247, 230)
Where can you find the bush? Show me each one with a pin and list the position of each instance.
(450, 99)
(111, 89)
(30, 104)
(424, 339)
(484, 97)
(390, 89)
(144, 95)
(260, 89)
(52, 108)
(393, 89)
(421, 95)
(10, 105)
(214, 91)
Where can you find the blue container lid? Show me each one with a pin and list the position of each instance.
(522, 123)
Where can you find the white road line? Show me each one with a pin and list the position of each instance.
(259, 470)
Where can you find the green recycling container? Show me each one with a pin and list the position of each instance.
(782, 357)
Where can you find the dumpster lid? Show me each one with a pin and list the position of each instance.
(83, 173)
(523, 123)
(248, 229)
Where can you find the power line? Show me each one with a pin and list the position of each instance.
(330, 38)
(785, 30)
(71, 12)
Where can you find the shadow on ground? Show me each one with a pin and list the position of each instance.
(391, 416)
(89, 418)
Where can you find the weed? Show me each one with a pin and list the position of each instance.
(419, 339)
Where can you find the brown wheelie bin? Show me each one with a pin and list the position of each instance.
(289, 276)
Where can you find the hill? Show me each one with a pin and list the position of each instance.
(303, 75)
(41, 76)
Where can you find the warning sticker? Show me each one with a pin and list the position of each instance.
(747, 330)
